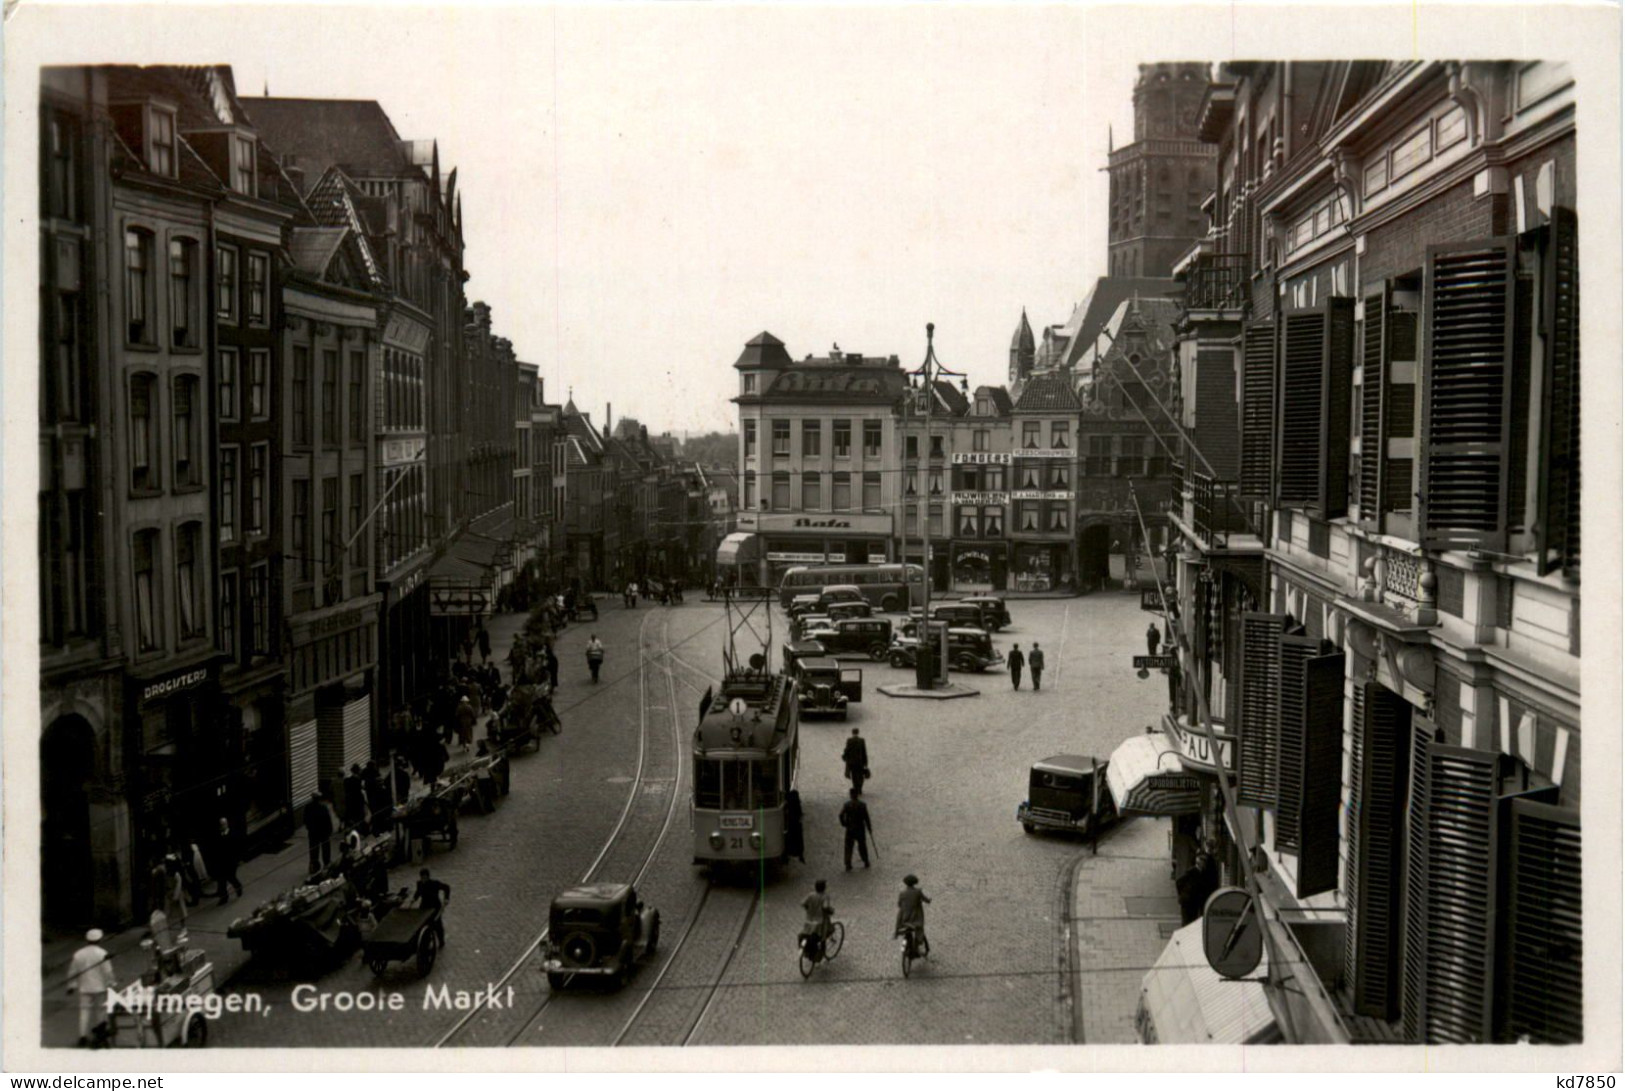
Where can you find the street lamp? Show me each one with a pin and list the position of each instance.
(925, 378)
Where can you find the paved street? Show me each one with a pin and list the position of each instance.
(948, 776)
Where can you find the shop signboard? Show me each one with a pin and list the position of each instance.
(833, 525)
(988, 499)
(1153, 662)
(981, 458)
(1195, 751)
(1043, 452)
(1041, 494)
(805, 558)
(1151, 599)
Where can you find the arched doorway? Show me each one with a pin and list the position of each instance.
(67, 766)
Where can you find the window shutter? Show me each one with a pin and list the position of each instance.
(1413, 982)
(1451, 913)
(1373, 430)
(1321, 774)
(1257, 409)
(1466, 394)
(1542, 989)
(1258, 761)
(1317, 359)
(1560, 501)
(1295, 654)
(1377, 793)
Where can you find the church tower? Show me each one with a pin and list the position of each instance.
(1158, 182)
(1022, 352)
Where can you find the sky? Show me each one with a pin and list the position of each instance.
(645, 189)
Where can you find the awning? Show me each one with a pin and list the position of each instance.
(1184, 1002)
(1146, 777)
(741, 547)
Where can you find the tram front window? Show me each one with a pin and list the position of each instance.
(736, 786)
(766, 782)
(707, 784)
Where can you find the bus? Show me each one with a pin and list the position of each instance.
(881, 584)
(745, 756)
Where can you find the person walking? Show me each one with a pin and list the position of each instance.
(377, 793)
(1035, 664)
(483, 639)
(468, 648)
(550, 661)
(856, 758)
(465, 722)
(1153, 639)
(403, 779)
(1016, 661)
(224, 864)
(595, 655)
(855, 818)
(90, 974)
(355, 799)
(319, 829)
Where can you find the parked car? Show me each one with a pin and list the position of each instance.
(1067, 792)
(600, 930)
(802, 605)
(840, 611)
(811, 626)
(841, 592)
(960, 615)
(800, 649)
(994, 611)
(869, 636)
(826, 688)
(969, 650)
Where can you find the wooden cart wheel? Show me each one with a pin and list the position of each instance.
(378, 966)
(428, 948)
(197, 1032)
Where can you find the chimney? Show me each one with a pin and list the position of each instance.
(607, 419)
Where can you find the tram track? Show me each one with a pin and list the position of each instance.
(466, 1025)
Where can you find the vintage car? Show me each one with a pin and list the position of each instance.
(840, 592)
(802, 605)
(825, 688)
(1067, 792)
(960, 615)
(994, 611)
(797, 650)
(840, 611)
(870, 636)
(599, 930)
(803, 627)
(969, 650)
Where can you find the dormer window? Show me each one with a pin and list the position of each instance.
(161, 141)
(750, 383)
(242, 165)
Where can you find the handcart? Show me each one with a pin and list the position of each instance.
(404, 933)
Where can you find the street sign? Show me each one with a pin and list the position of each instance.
(1154, 662)
(1232, 933)
(1151, 599)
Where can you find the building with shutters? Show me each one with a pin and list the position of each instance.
(1379, 570)
(818, 454)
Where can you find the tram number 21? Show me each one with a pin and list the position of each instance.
(736, 842)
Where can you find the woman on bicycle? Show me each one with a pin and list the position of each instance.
(911, 905)
(819, 911)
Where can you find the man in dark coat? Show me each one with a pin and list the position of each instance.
(483, 638)
(376, 791)
(795, 845)
(1153, 639)
(855, 817)
(355, 798)
(224, 863)
(1016, 661)
(1035, 663)
(856, 758)
(319, 829)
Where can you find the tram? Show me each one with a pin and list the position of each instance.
(745, 752)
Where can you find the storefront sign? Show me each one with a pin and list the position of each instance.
(877, 558)
(1151, 600)
(806, 558)
(1154, 662)
(1041, 494)
(455, 601)
(179, 682)
(348, 619)
(981, 458)
(1043, 452)
(815, 524)
(402, 450)
(988, 499)
(407, 333)
(1195, 751)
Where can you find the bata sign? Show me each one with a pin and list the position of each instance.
(1194, 749)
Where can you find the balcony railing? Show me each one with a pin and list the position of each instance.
(1217, 282)
(1216, 513)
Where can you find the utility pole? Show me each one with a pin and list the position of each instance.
(928, 373)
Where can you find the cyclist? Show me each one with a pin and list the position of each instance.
(819, 911)
(911, 905)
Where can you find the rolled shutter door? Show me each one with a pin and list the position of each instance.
(358, 732)
(302, 764)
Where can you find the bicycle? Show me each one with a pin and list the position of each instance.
(912, 935)
(816, 948)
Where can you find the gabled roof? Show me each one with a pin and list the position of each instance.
(999, 395)
(951, 398)
(1102, 302)
(1047, 393)
(312, 249)
(333, 203)
(354, 134)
